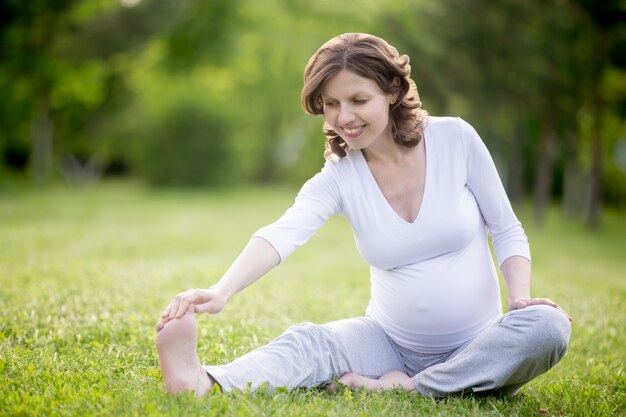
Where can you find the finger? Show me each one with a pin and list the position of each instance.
(161, 324)
(547, 301)
(175, 304)
(182, 308)
(173, 308)
(565, 312)
(166, 313)
(193, 300)
(542, 301)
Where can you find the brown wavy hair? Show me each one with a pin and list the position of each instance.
(370, 57)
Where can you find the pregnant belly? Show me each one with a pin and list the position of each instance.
(433, 302)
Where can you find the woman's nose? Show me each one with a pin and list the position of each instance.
(345, 115)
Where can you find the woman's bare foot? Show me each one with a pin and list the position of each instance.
(391, 380)
(352, 380)
(176, 343)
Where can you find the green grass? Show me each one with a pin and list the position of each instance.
(84, 276)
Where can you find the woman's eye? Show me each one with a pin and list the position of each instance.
(360, 101)
(329, 104)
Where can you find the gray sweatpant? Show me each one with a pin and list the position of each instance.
(522, 345)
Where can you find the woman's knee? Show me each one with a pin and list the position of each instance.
(303, 328)
(307, 333)
(554, 328)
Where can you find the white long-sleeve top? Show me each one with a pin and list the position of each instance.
(433, 281)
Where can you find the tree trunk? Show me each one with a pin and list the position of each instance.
(597, 110)
(545, 170)
(595, 200)
(515, 180)
(575, 179)
(41, 140)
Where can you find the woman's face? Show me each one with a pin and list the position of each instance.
(357, 109)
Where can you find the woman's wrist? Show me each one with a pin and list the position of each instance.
(222, 292)
(512, 298)
(517, 303)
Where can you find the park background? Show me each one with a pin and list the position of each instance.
(143, 141)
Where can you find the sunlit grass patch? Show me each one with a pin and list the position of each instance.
(84, 276)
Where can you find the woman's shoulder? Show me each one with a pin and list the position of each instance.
(442, 123)
(451, 135)
(448, 129)
(337, 169)
(347, 163)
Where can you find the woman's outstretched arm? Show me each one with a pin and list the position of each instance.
(257, 259)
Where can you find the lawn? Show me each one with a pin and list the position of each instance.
(85, 274)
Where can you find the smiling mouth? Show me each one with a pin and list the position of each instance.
(353, 132)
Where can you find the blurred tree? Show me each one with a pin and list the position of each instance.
(273, 138)
(63, 61)
(26, 77)
(186, 146)
(536, 60)
(543, 81)
(205, 33)
(183, 87)
(607, 36)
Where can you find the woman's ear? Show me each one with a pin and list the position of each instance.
(395, 85)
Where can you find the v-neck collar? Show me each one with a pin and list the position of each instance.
(374, 184)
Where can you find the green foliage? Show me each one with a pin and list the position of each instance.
(542, 81)
(64, 62)
(84, 277)
(187, 146)
(202, 34)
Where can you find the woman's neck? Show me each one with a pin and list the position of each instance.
(389, 153)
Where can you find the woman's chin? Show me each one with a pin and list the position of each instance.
(354, 145)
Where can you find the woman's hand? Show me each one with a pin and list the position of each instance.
(209, 301)
(257, 258)
(520, 303)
